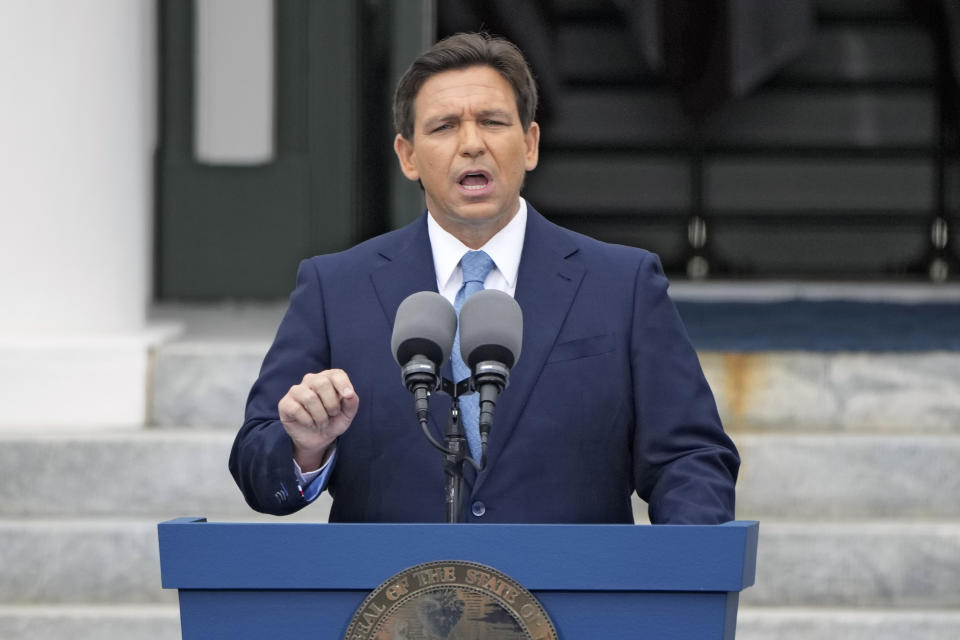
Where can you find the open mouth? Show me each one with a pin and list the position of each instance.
(474, 180)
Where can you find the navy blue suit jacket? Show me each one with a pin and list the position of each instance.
(607, 397)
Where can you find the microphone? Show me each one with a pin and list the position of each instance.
(422, 339)
(491, 331)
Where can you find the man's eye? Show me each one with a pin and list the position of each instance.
(442, 127)
(494, 123)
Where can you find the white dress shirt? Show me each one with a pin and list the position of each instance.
(504, 249)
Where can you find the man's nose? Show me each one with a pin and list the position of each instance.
(471, 140)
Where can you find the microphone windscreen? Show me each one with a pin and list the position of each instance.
(491, 328)
(425, 325)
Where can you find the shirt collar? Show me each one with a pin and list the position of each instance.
(504, 248)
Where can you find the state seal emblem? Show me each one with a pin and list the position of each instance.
(450, 600)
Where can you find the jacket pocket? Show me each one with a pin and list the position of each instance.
(581, 348)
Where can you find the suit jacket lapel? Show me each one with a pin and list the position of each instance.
(547, 284)
(408, 268)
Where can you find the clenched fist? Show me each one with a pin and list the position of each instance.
(315, 412)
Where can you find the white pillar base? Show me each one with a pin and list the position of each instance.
(80, 383)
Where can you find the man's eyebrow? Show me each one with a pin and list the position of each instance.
(496, 113)
(446, 117)
(502, 114)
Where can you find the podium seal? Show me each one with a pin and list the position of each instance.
(450, 600)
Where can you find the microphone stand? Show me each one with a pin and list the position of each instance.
(454, 442)
(455, 452)
(420, 378)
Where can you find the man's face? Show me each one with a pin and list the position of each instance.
(469, 150)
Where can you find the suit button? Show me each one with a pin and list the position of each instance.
(478, 508)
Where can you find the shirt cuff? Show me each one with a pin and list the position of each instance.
(312, 483)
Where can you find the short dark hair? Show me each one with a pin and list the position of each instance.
(460, 51)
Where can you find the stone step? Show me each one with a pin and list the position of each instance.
(862, 564)
(204, 383)
(866, 564)
(811, 623)
(171, 473)
(166, 474)
(863, 392)
(161, 475)
(90, 561)
(203, 379)
(107, 561)
(848, 477)
(156, 474)
(162, 622)
(90, 622)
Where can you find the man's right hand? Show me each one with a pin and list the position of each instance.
(315, 412)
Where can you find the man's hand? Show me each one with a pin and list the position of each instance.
(315, 413)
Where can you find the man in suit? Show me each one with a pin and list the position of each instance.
(607, 397)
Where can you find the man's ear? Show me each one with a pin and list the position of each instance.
(404, 150)
(531, 141)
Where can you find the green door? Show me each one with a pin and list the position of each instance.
(239, 231)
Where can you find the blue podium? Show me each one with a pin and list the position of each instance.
(295, 580)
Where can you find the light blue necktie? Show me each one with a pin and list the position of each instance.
(475, 265)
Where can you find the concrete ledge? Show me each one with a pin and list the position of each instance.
(155, 474)
(80, 562)
(863, 392)
(165, 474)
(857, 565)
(828, 624)
(205, 383)
(845, 477)
(202, 379)
(117, 622)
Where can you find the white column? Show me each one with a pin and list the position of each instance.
(76, 132)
